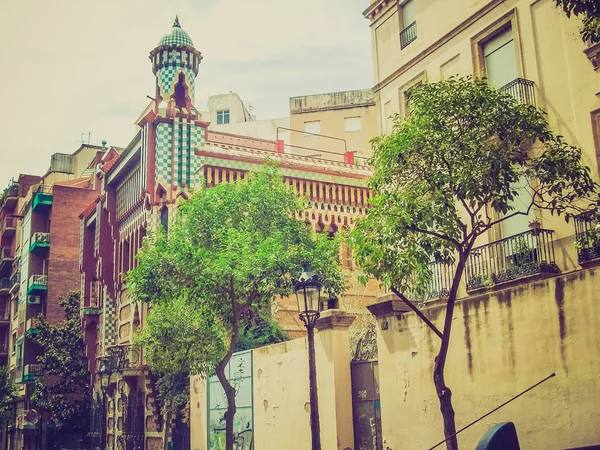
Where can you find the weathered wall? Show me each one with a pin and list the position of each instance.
(281, 392)
(502, 343)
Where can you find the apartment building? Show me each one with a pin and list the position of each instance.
(40, 263)
(518, 322)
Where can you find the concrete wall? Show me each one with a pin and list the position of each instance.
(281, 392)
(502, 342)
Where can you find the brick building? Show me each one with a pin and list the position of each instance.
(40, 263)
(172, 152)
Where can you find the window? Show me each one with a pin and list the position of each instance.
(164, 219)
(222, 117)
(405, 92)
(352, 124)
(596, 132)
(313, 127)
(500, 59)
(409, 24)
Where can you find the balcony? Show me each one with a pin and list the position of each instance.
(521, 90)
(9, 226)
(408, 35)
(587, 236)
(128, 359)
(15, 282)
(31, 327)
(40, 242)
(31, 372)
(439, 284)
(9, 197)
(42, 200)
(38, 284)
(6, 256)
(519, 256)
(4, 286)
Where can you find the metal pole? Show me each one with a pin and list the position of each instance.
(104, 419)
(315, 427)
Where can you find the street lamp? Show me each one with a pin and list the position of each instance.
(308, 296)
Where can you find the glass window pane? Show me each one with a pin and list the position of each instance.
(500, 59)
(352, 124)
(408, 13)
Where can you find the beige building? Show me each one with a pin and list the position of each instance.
(227, 113)
(513, 327)
(330, 125)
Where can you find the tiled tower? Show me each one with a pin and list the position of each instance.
(177, 132)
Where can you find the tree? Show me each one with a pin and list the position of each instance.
(447, 175)
(231, 250)
(176, 343)
(8, 393)
(589, 11)
(64, 392)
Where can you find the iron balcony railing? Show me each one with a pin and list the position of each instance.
(518, 256)
(520, 89)
(32, 370)
(15, 279)
(439, 284)
(408, 35)
(126, 356)
(587, 236)
(41, 237)
(38, 280)
(4, 283)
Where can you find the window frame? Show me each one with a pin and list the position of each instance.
(221, 115)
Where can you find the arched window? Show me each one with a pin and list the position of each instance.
(180, 91)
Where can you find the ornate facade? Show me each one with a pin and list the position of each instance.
(171, 153)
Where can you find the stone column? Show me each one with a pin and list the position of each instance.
(334, 343)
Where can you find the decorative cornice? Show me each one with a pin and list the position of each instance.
(377, 8)
(390, 306)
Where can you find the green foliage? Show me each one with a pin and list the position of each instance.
(589, 239)
(229, 252)
(259, 329)
(66, 392)
(8, 393)
(589, 11)
(447, 174)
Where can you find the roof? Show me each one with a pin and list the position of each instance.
(177, 37)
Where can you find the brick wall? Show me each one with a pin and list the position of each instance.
(63, 265)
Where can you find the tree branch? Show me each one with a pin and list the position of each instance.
(418, 312)
(435, 234)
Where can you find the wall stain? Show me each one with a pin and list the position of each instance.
(559, 297)
(465, 308)
(505, 297)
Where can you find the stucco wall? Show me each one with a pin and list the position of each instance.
(281, 392)
(502, 343)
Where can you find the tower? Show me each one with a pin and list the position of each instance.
(172, 130)
(175, 64)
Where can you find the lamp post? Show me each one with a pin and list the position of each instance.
(308, 296)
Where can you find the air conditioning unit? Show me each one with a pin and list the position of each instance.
(34, 299)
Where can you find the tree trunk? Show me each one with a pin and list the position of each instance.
(220, 370)
(443, 391)
(230, 394)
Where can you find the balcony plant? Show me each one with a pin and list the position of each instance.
(589, 240)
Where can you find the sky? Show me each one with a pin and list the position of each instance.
(69, 67)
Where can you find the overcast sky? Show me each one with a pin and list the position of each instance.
(76, 66)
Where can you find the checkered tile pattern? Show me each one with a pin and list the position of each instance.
(164, 137)
(108, 321)
(197, 140)
(177, 37)
(167, 76)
